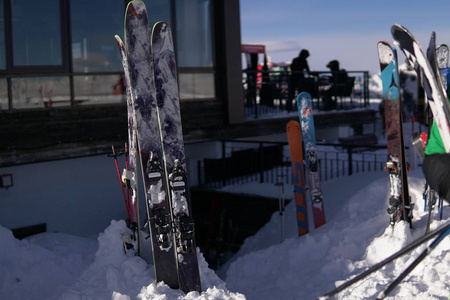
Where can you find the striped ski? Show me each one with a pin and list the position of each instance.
(304, 105)
(399, 199)
(146, 119)
(129, 176)
(294, 135)
(174, 156)
(436, 95)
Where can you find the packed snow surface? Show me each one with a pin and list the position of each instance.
(357, 235)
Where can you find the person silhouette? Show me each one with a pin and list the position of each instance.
(298, 67)
(337, 82)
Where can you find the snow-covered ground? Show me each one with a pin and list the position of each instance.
(357, 235)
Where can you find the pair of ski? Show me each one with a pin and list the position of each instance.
(306, 135)
(437, 99)
(154, 128)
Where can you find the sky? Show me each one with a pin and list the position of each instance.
(346, 30)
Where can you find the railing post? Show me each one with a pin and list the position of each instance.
(224, 171)
(261, 163)
(199, 176)
(350, 160)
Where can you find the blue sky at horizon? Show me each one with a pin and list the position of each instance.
(346, 30)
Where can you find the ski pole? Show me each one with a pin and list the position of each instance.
(114, 154)
(391, 258)
(126, 167)
(414, 264)
(281, 207)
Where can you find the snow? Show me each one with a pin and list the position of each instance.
(357, 235)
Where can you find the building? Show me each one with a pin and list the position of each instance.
(60, 98)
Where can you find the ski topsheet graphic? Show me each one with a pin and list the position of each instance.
(174, 157)
(150, 72)
(399, 200)
(129, 176)
(140, 67)
(439, 105)
(304, 105)
(442, 61)
(294, 134)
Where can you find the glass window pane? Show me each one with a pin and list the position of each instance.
(40, 92)
(158, 10)
(94, 24)
(99, 89)
(36, 33)
(3, 94)
(194, 33)
(2, 37)
(196, 86)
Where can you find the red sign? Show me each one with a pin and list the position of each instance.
(246, 48)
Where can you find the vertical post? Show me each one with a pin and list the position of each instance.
(199, 170)
(261, 162)
(350, 160)
(224, 171)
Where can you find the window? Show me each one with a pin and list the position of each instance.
(194, 33)
(36, 33)
(158, 10)
(94, 24)
(196, 86)
(3, 94)
(99, 89)
(40, 92)
(2, 37)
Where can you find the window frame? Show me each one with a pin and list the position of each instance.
(12, 69)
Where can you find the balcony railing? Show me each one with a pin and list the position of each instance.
(268, 93)
(269, 162)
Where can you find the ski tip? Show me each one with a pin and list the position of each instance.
(304, 95)
(292, 124)
(118, 40)
(383, 42)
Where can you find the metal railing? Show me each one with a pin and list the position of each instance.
(269, 162)
(274, 92)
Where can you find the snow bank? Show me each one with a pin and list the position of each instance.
(356, 236)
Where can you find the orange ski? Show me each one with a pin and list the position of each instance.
(294, 134)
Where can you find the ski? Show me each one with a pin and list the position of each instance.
(129, 177)
(294, 135)
(399, 199)
(436, 95)
(442, 60)
(168, 106)
(440, 232)
(304, 105)
(146, 120)
(414, 264)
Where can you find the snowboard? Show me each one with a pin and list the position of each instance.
(304, 106)
(146, 120)
(436, 95)
(129, 177)
(168, 106)
(399, 199)
(294, 135)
